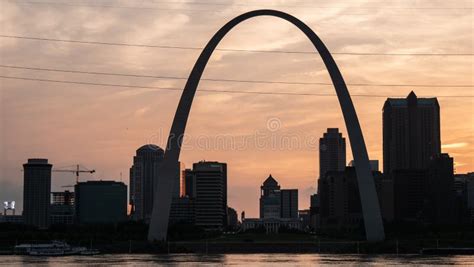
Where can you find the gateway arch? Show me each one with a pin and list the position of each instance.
(164, 184)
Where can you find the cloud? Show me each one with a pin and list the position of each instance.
(141, 111)
(454, 145)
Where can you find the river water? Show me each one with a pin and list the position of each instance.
(237, 260)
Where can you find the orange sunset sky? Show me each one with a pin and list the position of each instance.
(428, 42)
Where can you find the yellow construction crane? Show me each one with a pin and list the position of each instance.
(76, 171)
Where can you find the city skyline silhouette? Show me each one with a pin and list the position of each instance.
(101, 127)
(368, 196)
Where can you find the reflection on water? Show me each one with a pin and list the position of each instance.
(236, 260)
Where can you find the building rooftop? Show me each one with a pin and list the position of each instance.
(403, 102)
(149, 147)
(37, 161)
(270, 181)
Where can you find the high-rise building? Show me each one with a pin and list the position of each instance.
(411, 133)
(101, 202)
(211, 194)
(289, 203)
(270, 199)
(37, 192)
(189, 183)
(332, 152)
(143, 175)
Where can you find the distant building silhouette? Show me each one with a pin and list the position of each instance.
(441, 184)
(232, 219)
(37, 192)
(182, 211)
(339, 200)
(278, 209)
(410, 187)
(464, 193)
(270, 199)
(305, 217)
(385, 193)
(211, 194)
(100, 202)
(314, 210)
(276, 202)
(411, 132)
(62, 208)
(183, 208)
(143, 175)
(374, 165)
(189, 183)
(332, 152)
(470, 196)
(426, 195)
(289, 203)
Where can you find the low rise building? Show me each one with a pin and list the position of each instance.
(271, 225)
(101, 202)
(62, 208)
(14, 219)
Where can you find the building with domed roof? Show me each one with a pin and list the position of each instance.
(278, 209)
(143, 175)
(270, 198)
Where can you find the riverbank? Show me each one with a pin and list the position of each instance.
(131, 238)
(253, 247)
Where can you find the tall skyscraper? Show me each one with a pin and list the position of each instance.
(211, 194)
(143, 174)
(411, 132)
(270, 199)
(289, 203)
(332, 152)
(37, 192)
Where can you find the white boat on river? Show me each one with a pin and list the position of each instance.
(55, 248)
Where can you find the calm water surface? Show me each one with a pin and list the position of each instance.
(236, 260)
